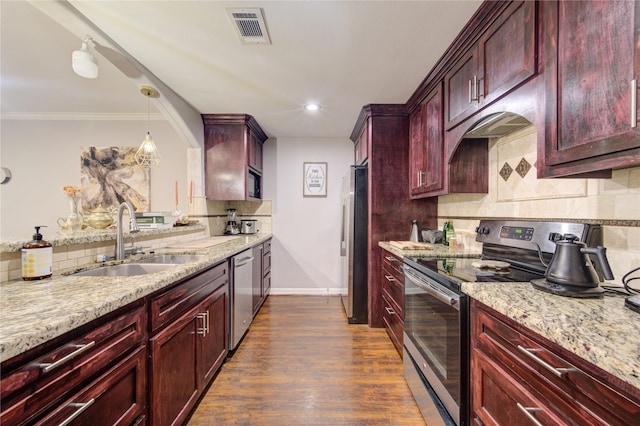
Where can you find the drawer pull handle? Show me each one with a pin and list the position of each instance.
(81, 408)
(81, 348)
(390, 311)
(531, 354)
(390, 278)
(391, 259)
(634, 103)
(527, 412)
(478, 421)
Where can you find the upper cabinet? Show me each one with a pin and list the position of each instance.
(233, 157)
(591, 56)
(362, 146)
(426, 148)
(503, 57)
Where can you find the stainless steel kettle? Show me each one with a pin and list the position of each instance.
(571, 266)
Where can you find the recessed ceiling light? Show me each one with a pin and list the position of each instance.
(312, 107)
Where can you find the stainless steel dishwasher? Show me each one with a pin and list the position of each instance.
(241, 296)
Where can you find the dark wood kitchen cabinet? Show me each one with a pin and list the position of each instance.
(190, 330)
(519, 377)
(261, 274)
(426, 150)
(390, 208)
(97, 371)
(393, 297)
(592, 54)
(362, 147)
(503, 58)
(233, 146)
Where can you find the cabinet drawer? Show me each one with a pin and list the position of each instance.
(170, 304)
(393, 323)
(573, 389)
(393, 264)
(34, 386)
(394, 289)
(266, 263)
(118, 397)
(498, 399)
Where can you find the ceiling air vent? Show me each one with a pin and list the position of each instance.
(249, 25)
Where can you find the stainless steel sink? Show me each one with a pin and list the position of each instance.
(126, 270)
(172, 259)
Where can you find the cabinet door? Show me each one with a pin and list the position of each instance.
(214, 340)
(591, 56)
(116, 398)
(461, 86)
(225, 162)
(362, 147)
(174, 373)
(255, 152)
(499, 399)
(427, 146)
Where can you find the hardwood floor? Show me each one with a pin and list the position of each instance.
(301, 363)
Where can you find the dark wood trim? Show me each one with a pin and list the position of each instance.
(243, 119)
(376, 110)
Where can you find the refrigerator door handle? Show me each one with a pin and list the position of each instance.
(343, 242)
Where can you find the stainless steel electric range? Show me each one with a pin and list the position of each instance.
(436, 333)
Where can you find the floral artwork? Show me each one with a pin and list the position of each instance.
(110, 176)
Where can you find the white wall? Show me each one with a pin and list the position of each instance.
(43, 156)
(305, 248)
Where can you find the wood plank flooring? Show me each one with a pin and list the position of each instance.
(301, 363)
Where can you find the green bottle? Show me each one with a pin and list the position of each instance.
(447, 232)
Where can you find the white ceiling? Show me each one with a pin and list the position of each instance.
(342, 54)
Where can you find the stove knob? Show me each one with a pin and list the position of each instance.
(485, 230)
(555, 236)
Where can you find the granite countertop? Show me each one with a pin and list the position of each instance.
(601, 331)
(33, 312)
(433, 250)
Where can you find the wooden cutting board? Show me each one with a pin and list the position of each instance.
(410, 245)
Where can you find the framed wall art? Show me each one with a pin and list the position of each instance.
(314, 180)
(109, 176)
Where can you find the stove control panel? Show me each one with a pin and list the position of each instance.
(516, 233)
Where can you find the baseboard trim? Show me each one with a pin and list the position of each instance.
(306, 291)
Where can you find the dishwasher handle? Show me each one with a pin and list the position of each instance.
(243, 261)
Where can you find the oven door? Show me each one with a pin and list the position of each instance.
(434, 333)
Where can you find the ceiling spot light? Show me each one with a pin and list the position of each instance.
(83, 62)
(312, 107)
(148, 155)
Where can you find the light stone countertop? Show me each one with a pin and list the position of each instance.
(436, 250)
(601, 331)
(33, 312)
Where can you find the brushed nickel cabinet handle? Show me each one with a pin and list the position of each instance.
(390, 278)
(391, 259)
(527, 412)
(634, 103)
(530, 352)
(81, 408)
(202, 330)
(470, 91)
(390, 311)
(81, 348)
(478, 421)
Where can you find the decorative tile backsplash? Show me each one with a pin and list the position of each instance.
(614, 202)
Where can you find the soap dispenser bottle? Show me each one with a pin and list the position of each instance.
(37, 258)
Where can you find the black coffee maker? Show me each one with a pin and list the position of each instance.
(232, 223)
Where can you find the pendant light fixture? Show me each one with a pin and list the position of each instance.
(148, 154)
(83, 62)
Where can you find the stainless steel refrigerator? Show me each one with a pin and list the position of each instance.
(353, 245)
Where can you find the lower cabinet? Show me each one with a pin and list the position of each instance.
(186, 353)
(519, 377)
(393, 297)
(261, 274)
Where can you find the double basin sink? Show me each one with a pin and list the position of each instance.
(158, 263)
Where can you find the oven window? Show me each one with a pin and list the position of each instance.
(434, 328)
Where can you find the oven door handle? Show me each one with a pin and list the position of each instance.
(440, 295)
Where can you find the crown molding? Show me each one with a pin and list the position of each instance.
(80, 116)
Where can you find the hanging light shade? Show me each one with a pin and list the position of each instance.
(148, 155)
(83, 62)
